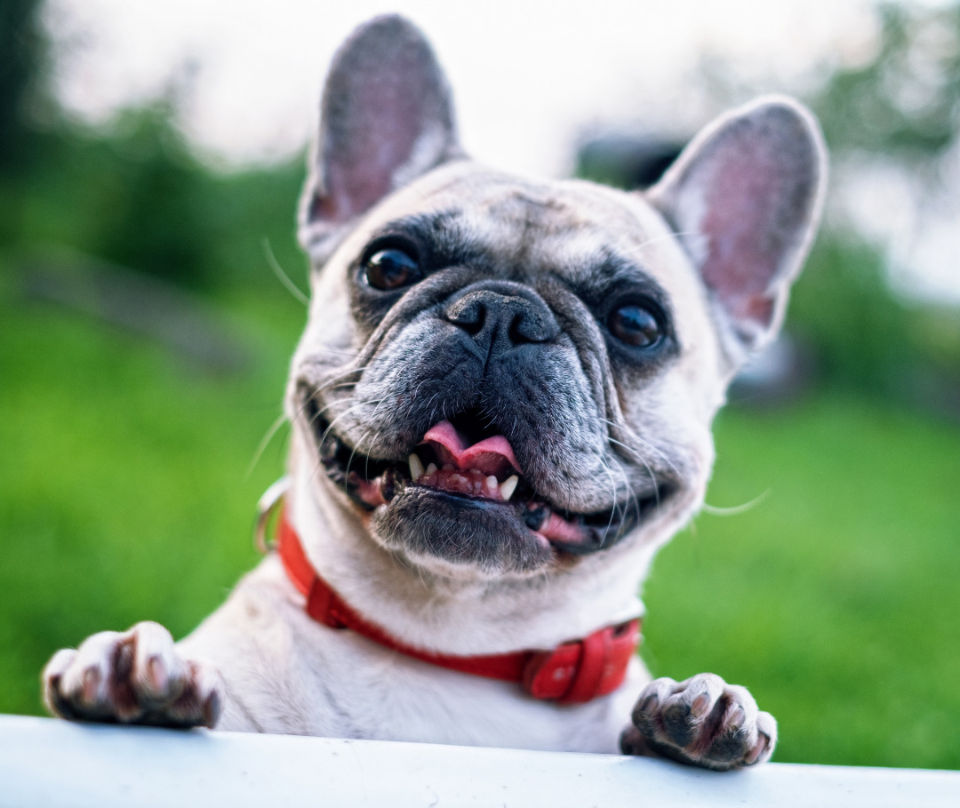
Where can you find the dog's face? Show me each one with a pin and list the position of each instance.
(517, 378)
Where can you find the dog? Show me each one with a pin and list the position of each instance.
(501, 408)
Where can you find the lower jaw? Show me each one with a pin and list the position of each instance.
(478, 534)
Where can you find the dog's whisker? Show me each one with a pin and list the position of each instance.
(735, 510)
(632, 494)
(339, 386)
(319, 466)
(650, 472)
(282, 276)
(651, 449)
(613, 494)
(639, 456)
(693, 236)
(353, 454)
(271, 432)
(352, 408)
(338, 378)
(322, 410)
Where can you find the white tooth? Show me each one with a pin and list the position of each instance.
(508, 487)
(416, 467)
(492, 483)
(431, 469)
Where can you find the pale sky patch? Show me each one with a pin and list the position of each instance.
(529, 76)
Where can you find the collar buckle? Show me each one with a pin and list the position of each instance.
(579, 671)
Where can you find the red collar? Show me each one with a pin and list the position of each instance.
(575, 671)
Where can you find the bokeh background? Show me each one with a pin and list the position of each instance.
(150, 159)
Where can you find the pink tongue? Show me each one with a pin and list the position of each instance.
(492, 455)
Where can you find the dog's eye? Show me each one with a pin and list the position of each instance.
(391, 268)
(636, 324)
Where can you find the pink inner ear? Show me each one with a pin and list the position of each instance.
(386, 117)
(382, 139)
(743, 199)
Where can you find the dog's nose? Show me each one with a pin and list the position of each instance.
(502, 317)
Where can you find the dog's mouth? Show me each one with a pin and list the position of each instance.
(466, 461)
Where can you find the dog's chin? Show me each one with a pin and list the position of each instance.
(458, 535)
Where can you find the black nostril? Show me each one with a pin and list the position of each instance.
(470, 317)
(502, 316)
(517, 331)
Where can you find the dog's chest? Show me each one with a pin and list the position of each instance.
(376, 693)
(314, 680)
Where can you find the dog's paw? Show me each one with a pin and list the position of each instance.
(134, 677)
(702, 721)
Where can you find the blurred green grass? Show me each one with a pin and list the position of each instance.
(834, 598)
(125, 496)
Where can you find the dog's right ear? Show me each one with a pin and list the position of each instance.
(744, 199)
(386, 118)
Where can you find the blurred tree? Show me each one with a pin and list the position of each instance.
(22, 63)
(900, 108)
(905, 101)
(153, 200)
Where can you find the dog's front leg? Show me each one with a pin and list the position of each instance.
(133, 677)
(702, 721)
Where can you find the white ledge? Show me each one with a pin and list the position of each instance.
(45, 762)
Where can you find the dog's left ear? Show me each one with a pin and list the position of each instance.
(386, 118)
(744, 199)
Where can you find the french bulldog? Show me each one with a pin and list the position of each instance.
(501, 408)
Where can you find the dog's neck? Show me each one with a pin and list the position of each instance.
(450, 615)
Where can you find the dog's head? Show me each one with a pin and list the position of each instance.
(513, 378)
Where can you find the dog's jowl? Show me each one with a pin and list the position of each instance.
(501, 409)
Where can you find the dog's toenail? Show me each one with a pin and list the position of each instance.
(156, 674)
(700, 705)
(91, 684)
(211, 709)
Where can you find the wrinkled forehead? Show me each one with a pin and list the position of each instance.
(566, 227)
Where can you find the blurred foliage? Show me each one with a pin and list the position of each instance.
(866, 338)
(821, 596)
(137, 196)
(22, 66)
(905, 101)
(901, 106)
(132, 192)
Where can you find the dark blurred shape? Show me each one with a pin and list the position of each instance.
(776, 375)
(153, 196)
(22, 62)
(132, 192)
(867, 338)
(626, 161)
